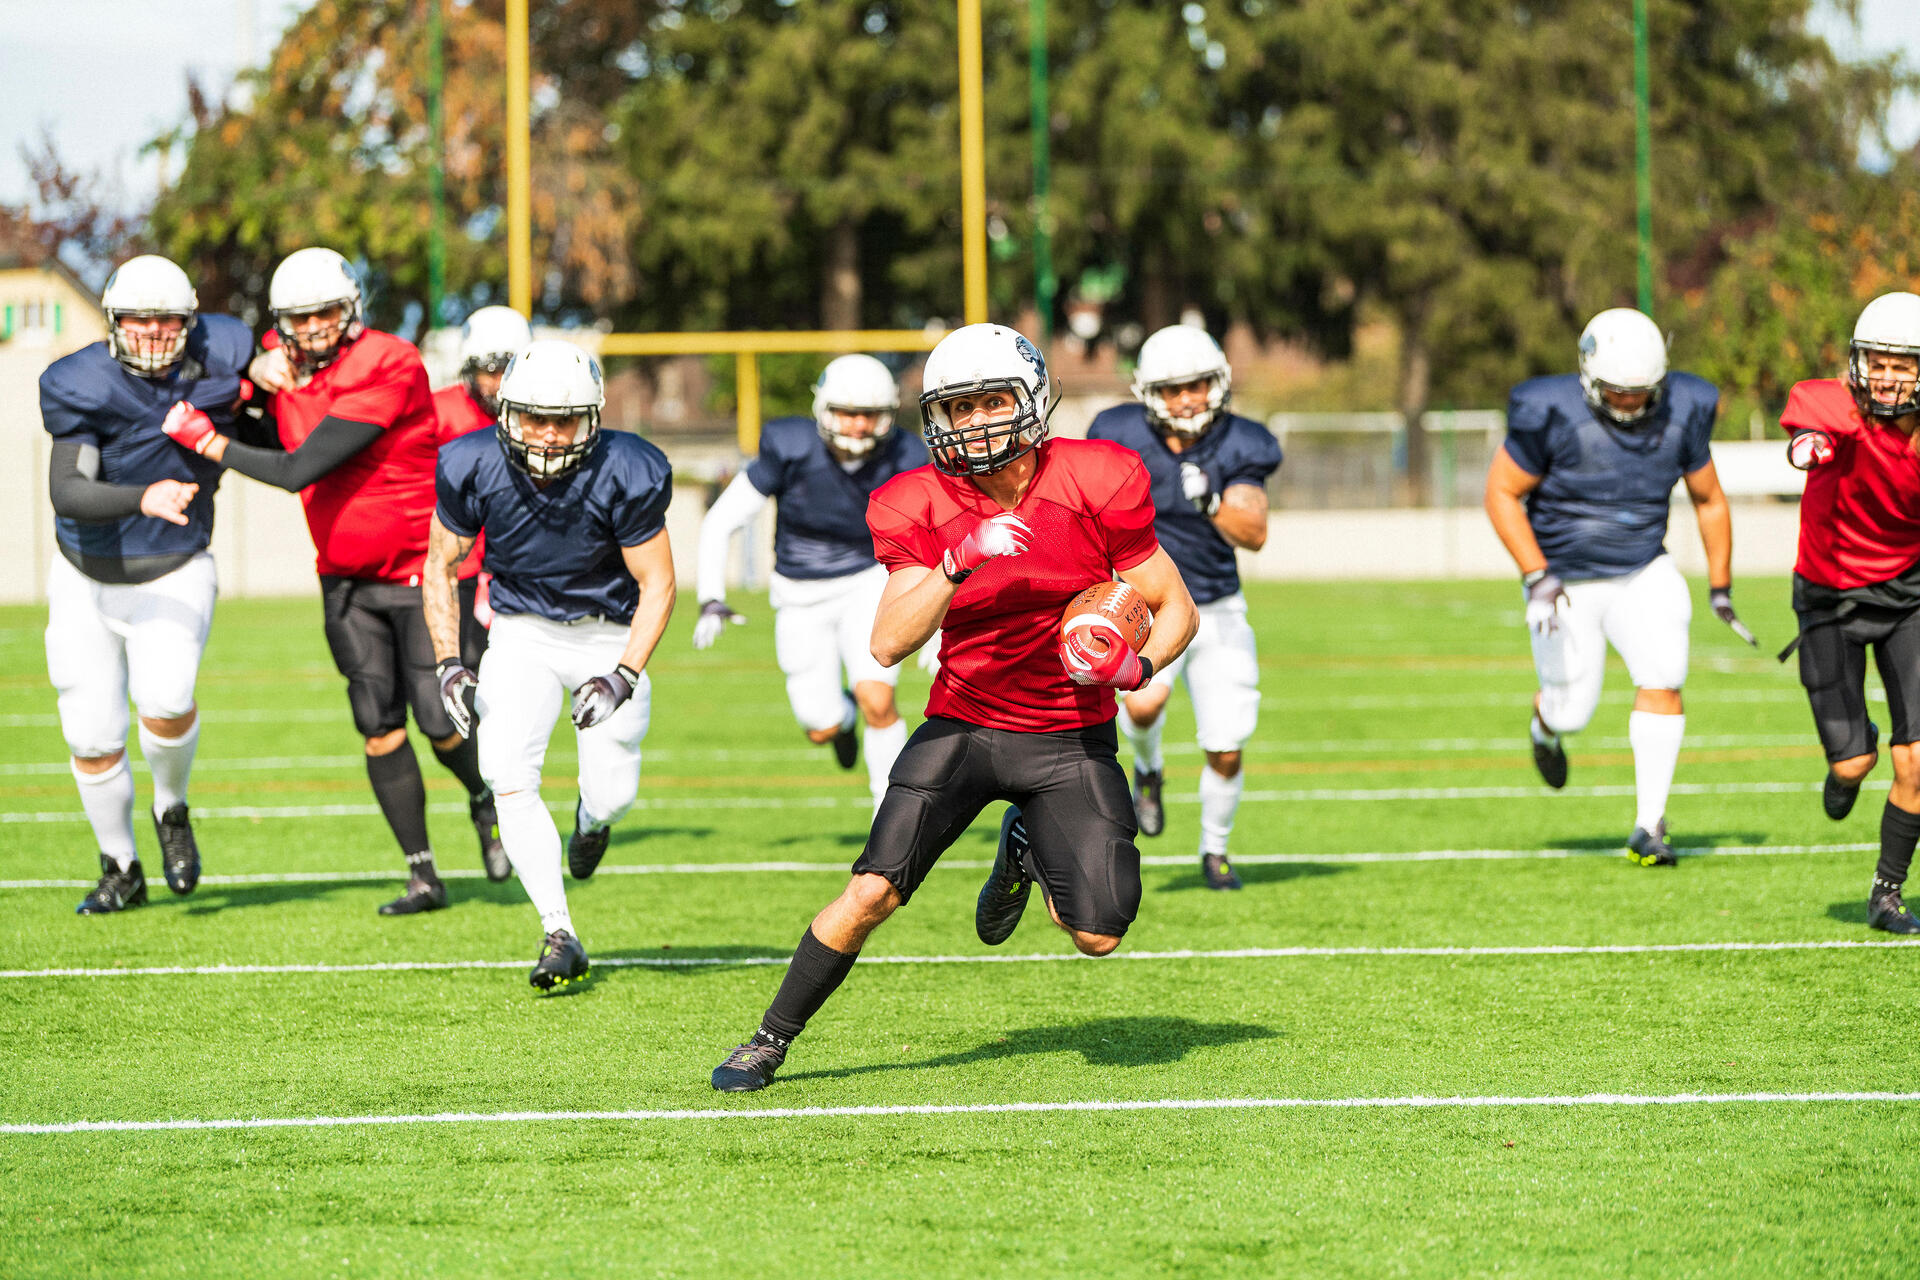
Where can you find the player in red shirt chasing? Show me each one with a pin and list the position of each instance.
(1856, 583)
(987, 545)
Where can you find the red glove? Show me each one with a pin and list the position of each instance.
(189, 428)
(1003, 535)
(1116, 666)
(1810, 449)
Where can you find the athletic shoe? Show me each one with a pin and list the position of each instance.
(1649, 848)
(179, 855)
(846, 748)
(1004, 896)
(493, 854)
(1147, 809)
(751, 1065)
(1218, 871)
(1550, 758)
(420, 895)
(117, 889)
(562, 961)
(1836, 797)
(586, 848)
(1887, 912)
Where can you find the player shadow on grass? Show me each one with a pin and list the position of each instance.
(209, 899)
(1141, 1041)
(1252, 873)
(1681, 839)
(846, 839)
(1851, 911)
(640, 835)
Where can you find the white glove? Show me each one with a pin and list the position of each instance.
(714, 616)
(1546, 601)
(1197, 488)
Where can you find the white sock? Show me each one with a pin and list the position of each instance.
(883, 748)
(1145, 741)
(533, 846)
(1538, 731)
(1219, 801)
(1656, 750)
(171, 760)
(107, 799)
(849, 711)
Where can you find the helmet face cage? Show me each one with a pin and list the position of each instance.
(986, 447)
(1153, 398)
(1593, 388)
(147, 355)
(1857, 383)
(495, 363)
(332, 340)
(854, 446)
(546, 461)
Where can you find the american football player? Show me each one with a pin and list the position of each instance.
(130, 594)
(1856, 582)
(575, 522)
(355, 420)
(1209, 470)
(826, 583)
(987, 545)
(1578, 495)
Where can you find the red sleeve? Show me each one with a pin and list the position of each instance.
(898, 539)
(1127, 519)
(1820, 404)
(379, 390)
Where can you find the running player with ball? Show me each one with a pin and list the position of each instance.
(990, 546)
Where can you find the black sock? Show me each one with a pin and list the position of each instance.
(816, 972)
(463, 762)
(403, 799)
(1899, 831)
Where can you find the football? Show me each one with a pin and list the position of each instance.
(1111, 602)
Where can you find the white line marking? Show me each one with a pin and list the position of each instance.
(780, 961)
(1412, 1102)
(981, 864)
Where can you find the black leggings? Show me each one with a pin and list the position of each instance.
(1833, 667)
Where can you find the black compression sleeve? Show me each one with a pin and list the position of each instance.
(78, 496)
(333, 441)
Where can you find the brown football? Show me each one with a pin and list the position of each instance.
(1112, 602)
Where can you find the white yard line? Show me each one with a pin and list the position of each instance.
(779, 961)
(1412, 1102)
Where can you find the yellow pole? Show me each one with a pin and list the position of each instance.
(747, 411)
(973, 166)
(519, 163)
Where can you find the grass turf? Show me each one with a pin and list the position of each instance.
(1393, 724)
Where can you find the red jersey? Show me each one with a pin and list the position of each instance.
(1091, 512)
(369, 515)
(1860, 514)
(459, 415)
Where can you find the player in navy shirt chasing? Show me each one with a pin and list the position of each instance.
(576, 542)
(826, 583)
(1209, 470)
(1579, 497)
(130, 594)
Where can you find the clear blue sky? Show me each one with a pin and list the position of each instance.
(106, 75)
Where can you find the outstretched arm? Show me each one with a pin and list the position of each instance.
(331, 443)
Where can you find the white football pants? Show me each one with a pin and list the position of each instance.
(823, 640)
(1644, 615)
(1222, 673)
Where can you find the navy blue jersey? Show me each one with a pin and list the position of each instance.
(90, 398)
(1600, 510)
(820, 530)
(1236, 451)
(555, 552)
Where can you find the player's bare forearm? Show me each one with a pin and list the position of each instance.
(912, 608)
(1710, 508)
(1175, 619)
(1242, 517)
(1507, 487)
(439, 593)
(651, 564)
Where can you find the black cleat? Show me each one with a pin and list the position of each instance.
(117, 889)
(1649, 848)
(1147, 809)
(420, 895)
(751, 1065)
(586, 848)
(1004, 896)
(1836, 797)
(846, 748)
(1550, 758)
(179, 855)
(562, 961)
(1886, 912)
(493, 854)
(1218, 871)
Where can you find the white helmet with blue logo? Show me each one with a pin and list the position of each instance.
(1623, 351)
(975, 361)
(855, 385)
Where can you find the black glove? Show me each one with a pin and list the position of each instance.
(595, 701)
(1721, 600)
(457, 687)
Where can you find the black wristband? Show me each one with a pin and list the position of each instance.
(957, 578)
(1146, 672)
(441, 667)
(1528, 580)
(628, 674)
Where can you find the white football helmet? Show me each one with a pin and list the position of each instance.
(1622, 350)
(311, 280)
(142, 288)
(979, 358)
(1175, 356)
(488, 340)
(1890, 324)
(550, 379)
(854, 384)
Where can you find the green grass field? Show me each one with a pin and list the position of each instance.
(1392, 818)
